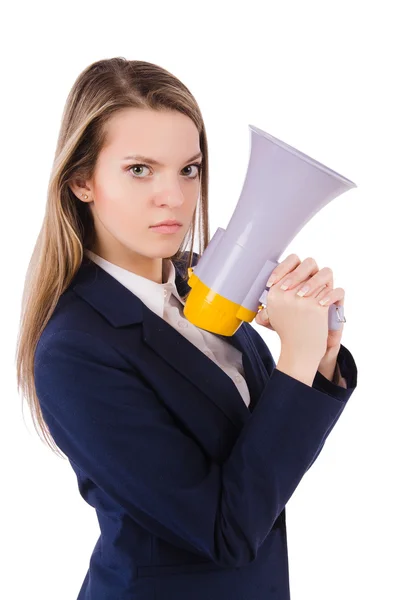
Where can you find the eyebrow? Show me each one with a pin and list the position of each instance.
(156, 162)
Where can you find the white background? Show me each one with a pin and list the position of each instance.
(318, 75)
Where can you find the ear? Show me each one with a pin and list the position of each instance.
(80, 189)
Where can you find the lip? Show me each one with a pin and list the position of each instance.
(167, 222)
(166, 228)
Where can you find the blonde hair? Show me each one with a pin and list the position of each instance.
(102, 89)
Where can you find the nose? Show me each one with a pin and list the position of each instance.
(172, 198)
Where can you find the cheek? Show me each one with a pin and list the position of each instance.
(118, 211)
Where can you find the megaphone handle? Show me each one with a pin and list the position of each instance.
(336, 314)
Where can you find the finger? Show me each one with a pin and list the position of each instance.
(262, 318)
(288, 264)
(312, 286)
(328, 297)
(307, 270)
(316, 293)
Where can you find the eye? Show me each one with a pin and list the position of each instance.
(139, 165)
(136, 166)
(198, 165)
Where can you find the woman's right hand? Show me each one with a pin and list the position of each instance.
(300, 322)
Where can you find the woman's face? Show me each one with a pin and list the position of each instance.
(127, 195)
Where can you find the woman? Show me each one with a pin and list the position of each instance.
(187, 444)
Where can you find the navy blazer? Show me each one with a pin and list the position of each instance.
(188, 483)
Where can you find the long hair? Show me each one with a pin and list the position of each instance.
(102, 89)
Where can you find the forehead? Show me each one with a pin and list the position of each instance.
(152, 133)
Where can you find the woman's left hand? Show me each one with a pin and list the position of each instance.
(297, 275)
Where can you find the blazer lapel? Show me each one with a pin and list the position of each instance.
(122, 308)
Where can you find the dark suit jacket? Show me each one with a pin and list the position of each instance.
(189, 484)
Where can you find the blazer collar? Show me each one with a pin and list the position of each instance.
(123, 308)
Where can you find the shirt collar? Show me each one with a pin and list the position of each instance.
(153, 294)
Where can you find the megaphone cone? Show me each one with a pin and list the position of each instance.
(283, 189)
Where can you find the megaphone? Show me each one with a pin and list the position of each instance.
(283, 189)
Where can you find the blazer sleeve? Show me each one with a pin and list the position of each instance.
(347, 369)
(113, 426)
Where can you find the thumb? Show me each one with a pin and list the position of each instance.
(262, 318)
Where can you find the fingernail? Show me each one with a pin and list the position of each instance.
(271, 280)
(303, 290)
(324, 301)
(285, 285)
